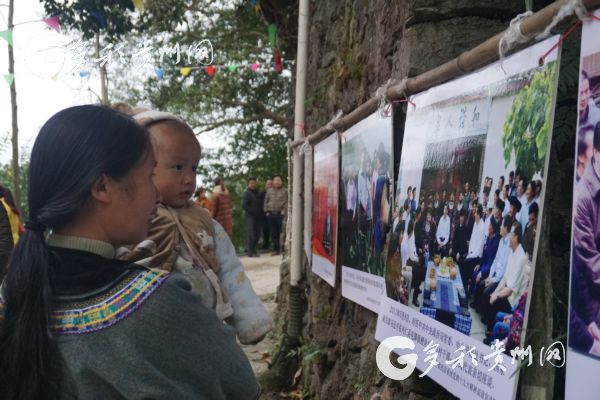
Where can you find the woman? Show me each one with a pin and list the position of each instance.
(221, 205)
(202, 200)
(77, 323)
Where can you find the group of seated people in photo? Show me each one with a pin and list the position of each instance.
(490, 236)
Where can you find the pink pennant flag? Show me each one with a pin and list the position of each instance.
(53, 22)
(254, 67)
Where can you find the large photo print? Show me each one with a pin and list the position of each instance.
(325, 208)
(366, 198)
(584, 301)
(465, 221)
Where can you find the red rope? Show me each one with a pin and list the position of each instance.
(405, 101)
(560, 40)
(301, 126)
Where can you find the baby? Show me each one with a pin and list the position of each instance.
(184, 238)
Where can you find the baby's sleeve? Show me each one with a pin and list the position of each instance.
(250, 318)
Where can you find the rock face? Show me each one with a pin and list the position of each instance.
(354, 47)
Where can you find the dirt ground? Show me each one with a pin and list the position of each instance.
(263, 272)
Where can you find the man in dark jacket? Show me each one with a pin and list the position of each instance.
(264, 222)
(460, 238)
(6, 241)
(251, 205)
(586, 239)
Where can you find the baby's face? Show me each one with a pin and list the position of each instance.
(177, 154)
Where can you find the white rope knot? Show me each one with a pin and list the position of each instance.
(513, 35)
(381, 95)
(331, 124)
(305, 148)
(569, 8)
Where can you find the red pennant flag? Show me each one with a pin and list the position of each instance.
(53, 22)
(278, 64)
(210, 71)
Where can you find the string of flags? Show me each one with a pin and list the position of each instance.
(272, 34)
(212, 69)
(53, 22)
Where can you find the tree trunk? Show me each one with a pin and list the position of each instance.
(13, 103)
(103, 74)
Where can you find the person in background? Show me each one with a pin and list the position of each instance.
(202, 200)
(251, 205)
(460, 238)
(531, 230)
(485, 288)
(275, 206)
(264, 222)
(490, 249)
(6, 241)
(443, 232)
(538, 191)
(476, 243)
(589, 113)
(512, 187)
(506, 295)
(506, 200)
(221, 205)
(12, 211)
(585, 150)
(528, 200)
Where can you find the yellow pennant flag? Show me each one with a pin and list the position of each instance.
(139, 5)
(185, 71)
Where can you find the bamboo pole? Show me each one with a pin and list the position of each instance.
(479, 56)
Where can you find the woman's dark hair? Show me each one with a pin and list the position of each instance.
(219, 181)
(74, 148)
(7, 194)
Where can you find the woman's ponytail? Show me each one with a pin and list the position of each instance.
(29, 358)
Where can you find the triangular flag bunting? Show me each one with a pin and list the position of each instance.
(278, 64)
(253, 2)
(99, 19)
(9, 78)
(272, 28)
(185, 71)
(53, 22)
(254, 67)
(210, 71)
(7, 35)
(159, 73)
(232, 67)
(83, 74)
(139, 5)
(257, 8)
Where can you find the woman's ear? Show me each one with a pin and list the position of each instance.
(102, 189)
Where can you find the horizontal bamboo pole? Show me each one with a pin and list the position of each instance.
(479, 56)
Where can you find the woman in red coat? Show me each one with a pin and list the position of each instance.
(221, 205)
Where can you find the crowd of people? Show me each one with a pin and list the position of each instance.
(364, 195)
(265, 213)
(489, 233)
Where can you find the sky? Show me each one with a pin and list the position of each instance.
(39, 96)
(47, 77)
